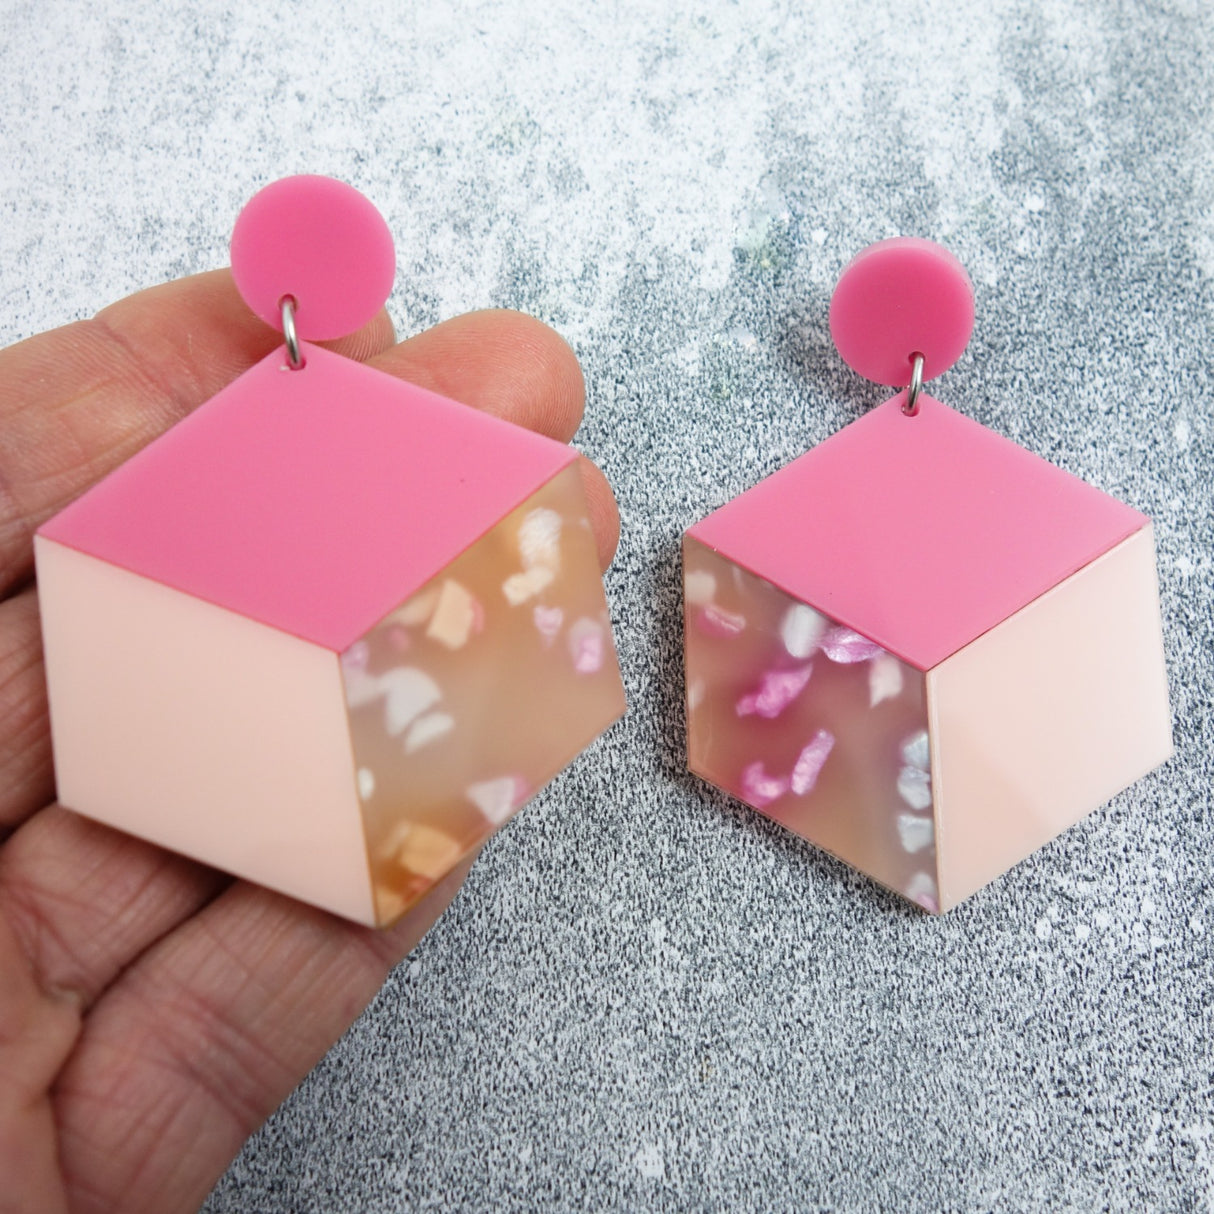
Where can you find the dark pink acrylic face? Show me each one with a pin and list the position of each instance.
(810, 723)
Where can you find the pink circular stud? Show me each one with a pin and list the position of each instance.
(320, 242)
(899, 298)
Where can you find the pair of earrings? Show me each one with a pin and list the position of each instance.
(332, 630)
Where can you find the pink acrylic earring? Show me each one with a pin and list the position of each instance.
(332, 630)
(920, 646)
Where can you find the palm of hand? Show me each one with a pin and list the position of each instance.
(153, 1012)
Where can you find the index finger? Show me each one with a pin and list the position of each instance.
(77, 402)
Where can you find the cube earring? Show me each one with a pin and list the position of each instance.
(920, 646)
(332, 630)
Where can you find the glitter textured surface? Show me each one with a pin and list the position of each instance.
(646, 996)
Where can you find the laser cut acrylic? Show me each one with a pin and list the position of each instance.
(332, 630)
(920, 646)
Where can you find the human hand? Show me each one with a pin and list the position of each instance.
(153, 1011)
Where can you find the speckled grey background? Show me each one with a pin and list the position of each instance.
(646, 996)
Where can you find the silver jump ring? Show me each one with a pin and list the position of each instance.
(911, 405)
(289, 333)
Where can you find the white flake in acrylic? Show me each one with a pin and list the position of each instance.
(699, 587)
(916, 751)
(427, 729)
(539, 539)
(407, 692)
(915, 788)
(914, 780)
(921, 888)
(915, 832)
(884, 679)
(519, 587)
(801, 630)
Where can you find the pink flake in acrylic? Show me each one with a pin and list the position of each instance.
(718, 622)
(759, 788)
(810, 762)
(777, 690)
(586, 646)
(844, 646)
(548, 621)
(355, 658)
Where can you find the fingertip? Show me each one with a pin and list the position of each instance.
(601, 507)
(376, 336)
(504, 363)
(549, 366)
(206, 312)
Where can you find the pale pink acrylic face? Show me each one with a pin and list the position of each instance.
(471, 696)
(1081, 711)
(813, 725)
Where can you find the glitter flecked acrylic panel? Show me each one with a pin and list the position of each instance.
(332, 630)
(478, 689)
(910, 617)
(814, 725)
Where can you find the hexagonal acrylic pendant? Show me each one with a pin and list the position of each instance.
(332, 630)
(920, 646)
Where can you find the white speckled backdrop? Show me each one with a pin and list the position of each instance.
(646, 996)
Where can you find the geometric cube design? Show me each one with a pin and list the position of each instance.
(924, 649)
(328, 634)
